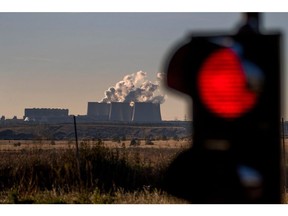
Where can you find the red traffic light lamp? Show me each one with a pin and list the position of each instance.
(234, 81)
(222, 85)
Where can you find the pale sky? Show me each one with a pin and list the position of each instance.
(64, 60)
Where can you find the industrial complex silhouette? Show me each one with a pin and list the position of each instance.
(96, 112)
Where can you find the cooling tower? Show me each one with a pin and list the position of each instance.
(120, 111)
(98, 110)
(146, 112)
(156, 112)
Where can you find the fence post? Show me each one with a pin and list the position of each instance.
(77, 152)
(76, 137)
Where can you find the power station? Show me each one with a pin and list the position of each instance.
(133, 99)
(99, 112)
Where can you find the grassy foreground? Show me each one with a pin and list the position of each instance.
(97, 175)
(100, 175)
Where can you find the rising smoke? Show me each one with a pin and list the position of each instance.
(136, 88)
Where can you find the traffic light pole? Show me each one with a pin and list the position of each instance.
(251, 23)
(284, 155)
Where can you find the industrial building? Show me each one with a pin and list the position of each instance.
(46, 115)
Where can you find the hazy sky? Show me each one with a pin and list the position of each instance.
(64, 60)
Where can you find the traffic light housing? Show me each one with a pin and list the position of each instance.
(234, 81)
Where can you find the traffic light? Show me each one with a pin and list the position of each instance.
(234, 81)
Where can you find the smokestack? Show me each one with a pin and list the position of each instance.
(146, 112)
(100, 111)
(120, 111)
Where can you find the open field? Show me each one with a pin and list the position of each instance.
(39, 163)
(14, 145)
(43, 171)
(104, 172)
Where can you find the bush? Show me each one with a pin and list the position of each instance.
(17, 144)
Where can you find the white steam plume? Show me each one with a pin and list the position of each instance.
(136, 88)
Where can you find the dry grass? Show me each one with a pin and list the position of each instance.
(47, 172)
(42, 172)
(144, 196)
(14, 145)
